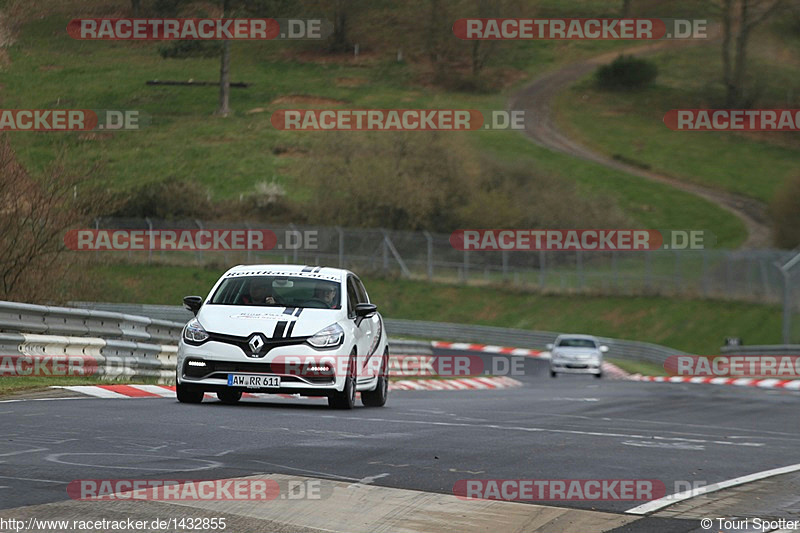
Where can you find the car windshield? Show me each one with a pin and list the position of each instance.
(278, 291)
(576, 343)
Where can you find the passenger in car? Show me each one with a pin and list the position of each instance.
(259, 292)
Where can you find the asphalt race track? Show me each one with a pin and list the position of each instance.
(571, 427)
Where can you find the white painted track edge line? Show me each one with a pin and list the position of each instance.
(672, 499)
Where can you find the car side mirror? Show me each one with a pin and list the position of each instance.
(365, 311)
(604, 348)
(550, 346)
(193, 303)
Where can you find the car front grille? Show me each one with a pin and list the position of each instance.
(221, 369)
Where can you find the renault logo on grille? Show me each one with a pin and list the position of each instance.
(256, 342)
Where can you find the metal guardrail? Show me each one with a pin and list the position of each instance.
(89, 356)
(618, 348)
(50, 320)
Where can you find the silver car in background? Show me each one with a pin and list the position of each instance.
(576, 354)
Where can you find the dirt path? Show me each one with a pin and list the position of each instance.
(538, 99)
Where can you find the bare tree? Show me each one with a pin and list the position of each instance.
(341, 16)
(225, 70)
(270, 8)
(437, 32)
(35, 214)
(739, 19)
(481, 51)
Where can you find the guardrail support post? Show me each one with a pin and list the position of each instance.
(199, 253)
(249, 250)
(787, 314)
(542, 268)
(429, 239)
(385, 251)
(149, 240)
(341, 246)
(97, 228)
(787, 297)
(294, 248)
(615, 268)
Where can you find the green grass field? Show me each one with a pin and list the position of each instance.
(185, 141)
(631, 124)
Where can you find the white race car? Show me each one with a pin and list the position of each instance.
(577, 354)
(284, 329)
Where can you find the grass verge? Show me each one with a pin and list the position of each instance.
(639, 367)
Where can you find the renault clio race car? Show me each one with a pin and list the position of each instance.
(284, 329)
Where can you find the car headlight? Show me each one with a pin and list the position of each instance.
(329, 337)
(194, 333)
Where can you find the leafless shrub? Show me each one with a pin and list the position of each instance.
(35, 213)
(436, 182)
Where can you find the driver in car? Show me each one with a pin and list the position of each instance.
(259, 292)
(326, 293)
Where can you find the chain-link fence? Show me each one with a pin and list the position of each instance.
(745, 275)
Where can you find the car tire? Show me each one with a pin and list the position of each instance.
(347, 398)
(229, 397)
(187, 394)
(377, 397)
(553, 374)
(598, 376)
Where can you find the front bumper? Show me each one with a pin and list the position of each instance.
(576, 366)
(222, 359)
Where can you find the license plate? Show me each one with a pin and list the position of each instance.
(253, 381)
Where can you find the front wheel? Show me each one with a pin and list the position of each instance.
(347, 398)
(377, 397)
(553, 374)
(187, 394)
(598, 376)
